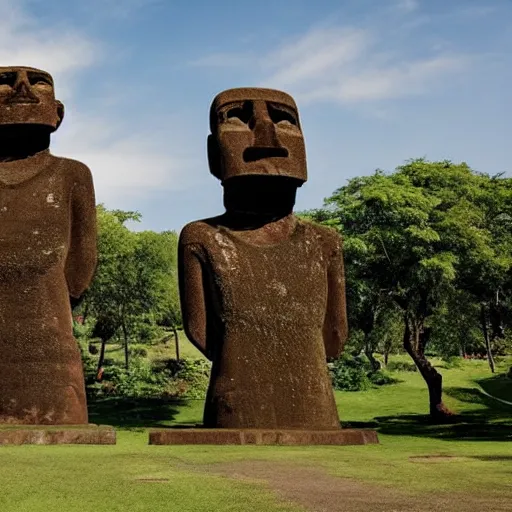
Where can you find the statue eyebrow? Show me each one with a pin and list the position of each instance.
(283, 106)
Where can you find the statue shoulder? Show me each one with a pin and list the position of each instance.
(77, 171)
(329, 238)
(199, 232)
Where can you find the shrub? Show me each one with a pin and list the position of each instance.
(162, 379)
(350, 373)
(88, 362)
(191, 376)
(382, 378)
(139, 381)
(452, 362)
(136, 351)
(401, 366)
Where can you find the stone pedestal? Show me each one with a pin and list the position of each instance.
(262, 437)
(56, 434)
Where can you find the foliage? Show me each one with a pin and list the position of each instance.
(136, 278)
(146, 379)
(453, 362)
(419, 238)
(401, 366)
(192, 375)
(354, 373)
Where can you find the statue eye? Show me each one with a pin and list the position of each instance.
(241, 112)
(8, 79)
(39, 80)
(282, 116)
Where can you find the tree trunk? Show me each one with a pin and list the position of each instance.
(176, 342)
(368, 350)
(100, 360)
(387, 349)
(415, 341)
(485, 330)
(126, 355)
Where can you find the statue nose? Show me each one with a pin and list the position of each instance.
(23, 93)
(265, 143)
(265, 134)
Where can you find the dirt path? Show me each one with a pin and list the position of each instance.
(317, 491)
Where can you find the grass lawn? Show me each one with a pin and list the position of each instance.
(466, 465)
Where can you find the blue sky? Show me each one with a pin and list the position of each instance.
(377, 82)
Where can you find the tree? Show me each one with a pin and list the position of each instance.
(416, 236)
(135, 277)
(474, 219)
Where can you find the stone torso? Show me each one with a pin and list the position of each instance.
(268, 305)
(41, 376)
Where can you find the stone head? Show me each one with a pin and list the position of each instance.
(27, 97)
(256, 131)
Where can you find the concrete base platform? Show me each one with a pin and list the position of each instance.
(262, 437)
(56, 434)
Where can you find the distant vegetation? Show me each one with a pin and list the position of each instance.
(428, 258)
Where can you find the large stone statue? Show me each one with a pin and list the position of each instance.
(47, 256)
(263, 292)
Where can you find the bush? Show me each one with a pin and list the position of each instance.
(382, 378)
(162, 379)
(139, 381)
(136, 351)
(452, 362)
(191, 376)
(350, 373)
(88, 362)
(401, 366)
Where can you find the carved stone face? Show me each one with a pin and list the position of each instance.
(27, 97)
(255, 132)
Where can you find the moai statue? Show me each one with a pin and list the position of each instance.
(262, 291)
(47, 256)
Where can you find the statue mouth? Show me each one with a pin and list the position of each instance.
(254, 153)
(22, 99)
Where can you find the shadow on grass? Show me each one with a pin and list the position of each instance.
(491, 423)
(134, 413)
(499, 386)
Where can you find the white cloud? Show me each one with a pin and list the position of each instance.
(123, 161)
(59, 50)
(319, 52)
(126, 167)
(349, 65)
(395, 81)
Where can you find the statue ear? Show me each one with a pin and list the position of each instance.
(60, 112)
(214, 157)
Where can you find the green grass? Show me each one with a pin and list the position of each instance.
(111, 478)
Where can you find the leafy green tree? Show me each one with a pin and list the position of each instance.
(416, 237)
(135, 279)
(474, 220)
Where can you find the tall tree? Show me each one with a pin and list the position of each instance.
(416, 236)
(136, 274)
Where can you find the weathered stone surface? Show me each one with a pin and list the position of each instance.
(47, 256)
(57, 434)
(262, 437)
(263, 292)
